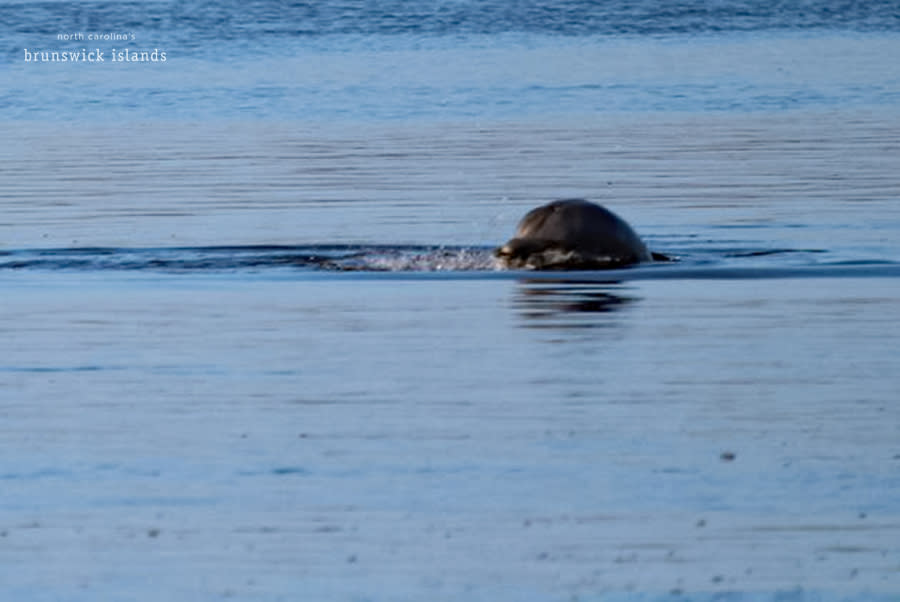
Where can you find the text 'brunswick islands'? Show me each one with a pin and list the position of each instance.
(95, 55)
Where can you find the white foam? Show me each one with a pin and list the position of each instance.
(438, 260)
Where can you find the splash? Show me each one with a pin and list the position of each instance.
(460, 259)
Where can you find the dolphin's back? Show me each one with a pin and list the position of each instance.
(585, 230)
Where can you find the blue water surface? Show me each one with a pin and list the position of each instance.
(339, 61)
(254, 345)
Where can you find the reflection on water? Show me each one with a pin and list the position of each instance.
(570, 304)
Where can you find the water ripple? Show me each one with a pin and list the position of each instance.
(719, 262)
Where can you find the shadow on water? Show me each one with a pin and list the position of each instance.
(570, 304)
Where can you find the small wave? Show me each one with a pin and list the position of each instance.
(765, 252)
(423, 260)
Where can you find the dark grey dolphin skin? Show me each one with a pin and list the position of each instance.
(572, 234)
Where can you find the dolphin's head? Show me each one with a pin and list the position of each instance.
(535, 254)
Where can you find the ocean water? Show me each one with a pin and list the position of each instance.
(255, 345)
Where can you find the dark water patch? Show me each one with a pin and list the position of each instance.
(765, 252)
(153, 501)
(861, 269)
(43, 473)
(53, 369)
(290, 470)
(201, 27)
(279, 471)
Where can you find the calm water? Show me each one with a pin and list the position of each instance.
(255, 346)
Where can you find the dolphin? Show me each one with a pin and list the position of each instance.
(573, 234)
